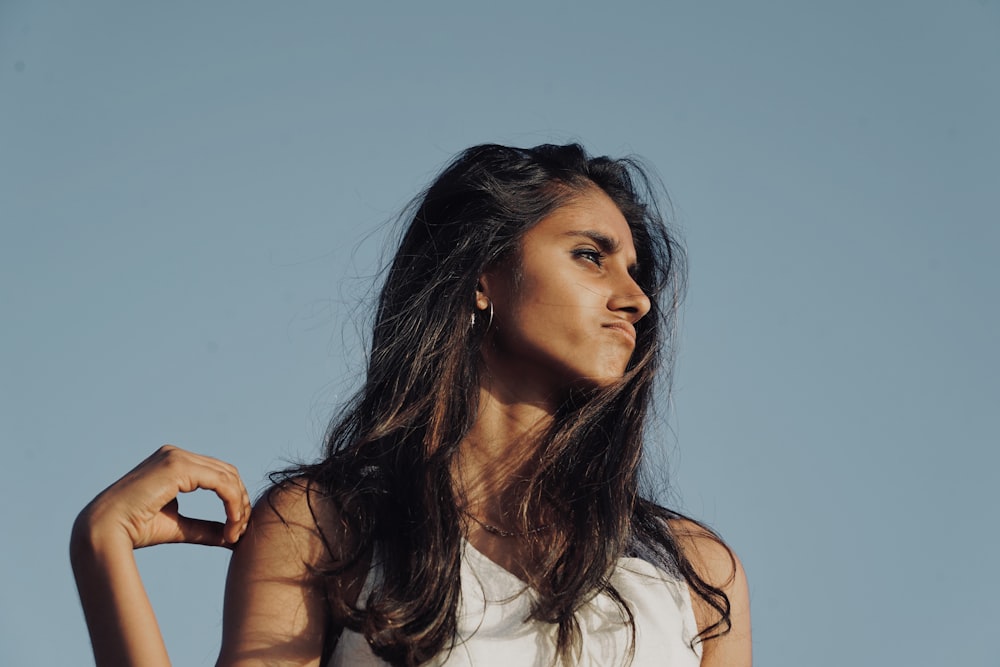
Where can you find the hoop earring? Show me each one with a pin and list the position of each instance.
(489, 321)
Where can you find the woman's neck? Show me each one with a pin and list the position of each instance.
(498, 455)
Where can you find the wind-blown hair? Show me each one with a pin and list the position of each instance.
(389, 453)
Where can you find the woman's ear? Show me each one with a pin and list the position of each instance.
(482, 293)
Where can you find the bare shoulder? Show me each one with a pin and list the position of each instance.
(295, 516)
(277, 605)
(719, 567)
(714, 561)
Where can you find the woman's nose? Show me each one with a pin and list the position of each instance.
(629, 297)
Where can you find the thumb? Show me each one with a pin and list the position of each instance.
(201, 531)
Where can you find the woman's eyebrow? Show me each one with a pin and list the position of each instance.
(603, 241)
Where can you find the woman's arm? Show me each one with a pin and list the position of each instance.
(140, 510)
(275, 610)
(718, 565)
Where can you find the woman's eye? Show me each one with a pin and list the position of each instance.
(591, 255)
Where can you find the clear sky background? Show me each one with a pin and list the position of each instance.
(194, 198)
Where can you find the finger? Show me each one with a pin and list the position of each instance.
(246, 513)
(236, 502)
(201, 531)
(202, 472)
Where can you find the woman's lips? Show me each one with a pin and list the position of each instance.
(625, 328)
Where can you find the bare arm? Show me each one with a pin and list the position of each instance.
(719, 566)
(140, 510)
(275, 611)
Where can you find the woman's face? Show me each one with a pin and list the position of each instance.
(568, 319)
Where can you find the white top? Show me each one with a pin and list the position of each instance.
(495, 603)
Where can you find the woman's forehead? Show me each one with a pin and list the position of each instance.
(591, 214)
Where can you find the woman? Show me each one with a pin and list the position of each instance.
(479, 501)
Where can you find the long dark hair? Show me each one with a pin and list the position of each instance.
(389, 453)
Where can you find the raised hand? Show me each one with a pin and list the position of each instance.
(140, 510)
(141, 507)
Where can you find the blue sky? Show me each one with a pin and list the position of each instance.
(194, 199)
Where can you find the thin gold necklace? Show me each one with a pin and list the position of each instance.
(500, 532)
